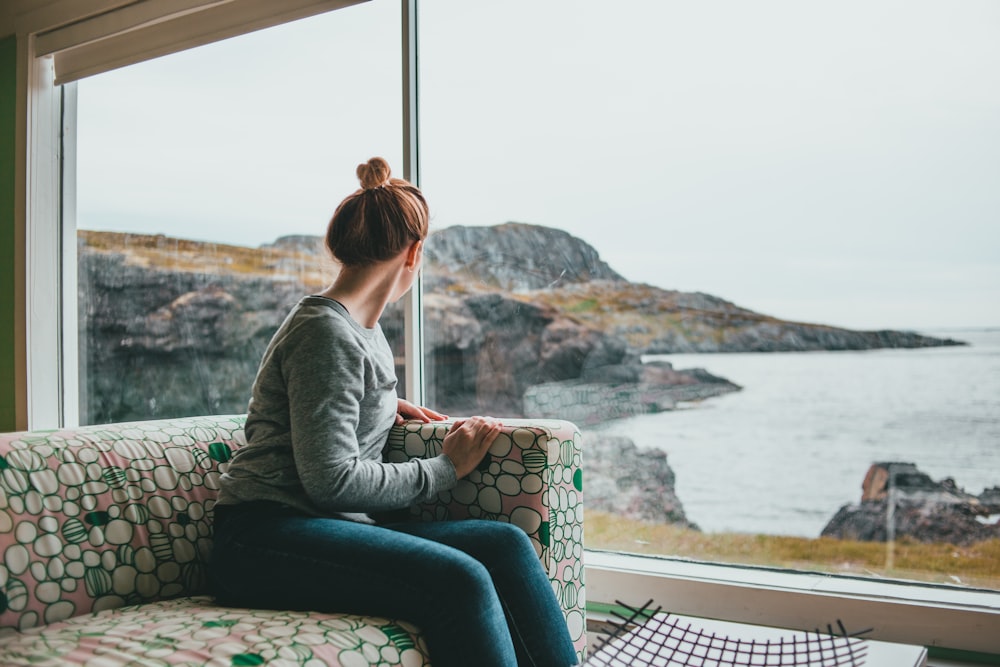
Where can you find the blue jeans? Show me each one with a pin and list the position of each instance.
(476, 589)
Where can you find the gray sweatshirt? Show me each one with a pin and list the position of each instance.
(319, 416)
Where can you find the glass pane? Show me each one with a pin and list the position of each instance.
(205, 182)
(750, 249)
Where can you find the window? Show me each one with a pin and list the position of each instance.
(204, 183)
(637, 208)
(575, 90)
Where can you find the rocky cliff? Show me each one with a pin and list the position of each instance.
(175, 327)
(624, 481)
(550, 267)
(512, 257)
(172, 328)
(520, 320)
(899, 501)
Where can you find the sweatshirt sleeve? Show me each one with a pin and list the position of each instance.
(330, 380)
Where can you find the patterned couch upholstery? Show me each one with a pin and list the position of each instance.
(105, 532)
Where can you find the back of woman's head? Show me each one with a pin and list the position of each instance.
(378, 221)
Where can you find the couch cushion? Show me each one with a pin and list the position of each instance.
(103, 516)
(194, 631)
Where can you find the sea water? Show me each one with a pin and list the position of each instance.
(784, 454)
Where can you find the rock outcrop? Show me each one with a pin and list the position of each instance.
(658, 321)
(501, 355)
(176, 328)
(635, 484)
(520, 321)
(512, 257)
(900, 501)
(169, 342)
(624, 390)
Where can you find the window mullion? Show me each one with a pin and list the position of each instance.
(42, 246)
(412, 304)
(69, 371)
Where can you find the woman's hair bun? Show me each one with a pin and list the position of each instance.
(379, 221)
(374, 173)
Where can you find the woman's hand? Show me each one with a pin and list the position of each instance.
(467, 442)
(406, 410)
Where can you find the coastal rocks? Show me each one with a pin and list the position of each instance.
(497, 354)
(168, 343)
(660, 321)
(514, 257)
(187, 339)
(898, 500)
(728, 328)
(517, 318)
(488, 349)
(634, 484)
(655, 389)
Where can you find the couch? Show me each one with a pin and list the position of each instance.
(105, 533)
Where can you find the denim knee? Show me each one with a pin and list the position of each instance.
(504, 540)
(471, 580)
(494, 533)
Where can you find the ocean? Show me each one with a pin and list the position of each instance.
(784, 454)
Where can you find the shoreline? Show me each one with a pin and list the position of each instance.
(837, 413)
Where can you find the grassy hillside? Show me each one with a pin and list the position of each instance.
(642, 313)
(156, 251)
(916, 561)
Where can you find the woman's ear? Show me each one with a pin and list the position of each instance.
(413, 255)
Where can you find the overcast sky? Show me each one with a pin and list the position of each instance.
(833, 162)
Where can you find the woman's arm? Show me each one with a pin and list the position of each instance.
(342, 403)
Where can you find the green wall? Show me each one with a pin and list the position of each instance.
(8, 112)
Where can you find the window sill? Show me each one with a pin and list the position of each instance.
(932, 616)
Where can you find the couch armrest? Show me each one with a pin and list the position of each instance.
(532, 477)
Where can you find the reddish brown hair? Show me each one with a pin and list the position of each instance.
(378, 221)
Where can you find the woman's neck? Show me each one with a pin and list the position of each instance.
(364, 291)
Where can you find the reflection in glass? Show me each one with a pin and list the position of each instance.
(205, 180)
(739, 265)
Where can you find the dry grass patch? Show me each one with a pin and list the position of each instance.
(186, 256)
(977, 565)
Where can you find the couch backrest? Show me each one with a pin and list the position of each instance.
(103, 516)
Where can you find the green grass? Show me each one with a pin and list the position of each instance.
(584, 306)
(976, 566)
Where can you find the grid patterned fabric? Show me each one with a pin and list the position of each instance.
(654, 638)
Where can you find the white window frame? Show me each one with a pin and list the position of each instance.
(918, 614)
(909, 613)
(39, 116)
(413, 308)
(56, 43)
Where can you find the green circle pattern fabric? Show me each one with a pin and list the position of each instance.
(531, 477)
(193, 632)
(105, 535)
(106, 516)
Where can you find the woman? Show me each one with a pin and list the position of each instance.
(296, 524)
